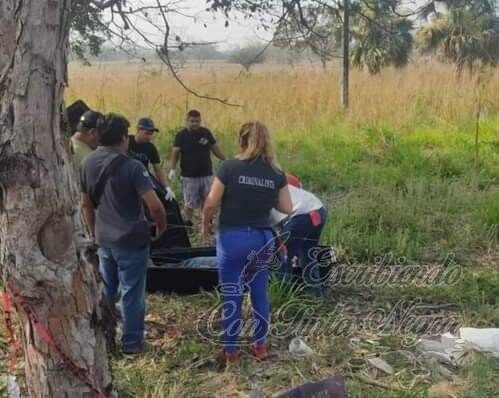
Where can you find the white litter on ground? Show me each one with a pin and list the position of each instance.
(485, 339)
(452, 350)
(299, 348)
(380, 364)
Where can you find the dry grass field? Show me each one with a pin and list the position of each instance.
(291, 99)
(401, 174)
(399, 167)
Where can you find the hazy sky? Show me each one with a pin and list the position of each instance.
(239, 31)
(196, 24)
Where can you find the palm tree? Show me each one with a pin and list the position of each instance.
(466, 35)
(380, 37)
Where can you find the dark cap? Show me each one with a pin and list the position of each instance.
(74, 112)
(89, 120)
(146, 124)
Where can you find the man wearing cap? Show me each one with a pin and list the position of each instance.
(114, 191)
(84, 141)
(142, 148)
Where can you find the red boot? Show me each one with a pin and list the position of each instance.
(225, 357)
(260, 351)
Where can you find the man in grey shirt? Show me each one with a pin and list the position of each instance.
(113, 190)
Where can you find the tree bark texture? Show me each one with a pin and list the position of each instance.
(39, 252)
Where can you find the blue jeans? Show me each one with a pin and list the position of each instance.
(303, 238)
(244, 255)
(126, 268)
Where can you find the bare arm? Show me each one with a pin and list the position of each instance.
(217, 152)
(156, 210)
(284, 204)
(160, 174)
(174, 157)
(212, 202)
(87, 208)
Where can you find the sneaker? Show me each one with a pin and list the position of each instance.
(260, 351)
(225, 357)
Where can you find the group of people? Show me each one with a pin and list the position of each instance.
(252, 194)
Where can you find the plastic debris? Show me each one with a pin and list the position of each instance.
(482, 339)
(380, 364)
(445, 349)
(452, 350)
(299, 348)
(13, 389)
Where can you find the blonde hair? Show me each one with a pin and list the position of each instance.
(255, 142)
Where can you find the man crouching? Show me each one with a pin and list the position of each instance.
(113, 190)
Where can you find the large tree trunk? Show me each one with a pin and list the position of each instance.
(39, 254)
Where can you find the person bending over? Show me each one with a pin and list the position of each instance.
(194, 144)
(246, 188)
(113, 189)
(303, 230)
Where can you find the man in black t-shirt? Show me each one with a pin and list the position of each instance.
(142, 148)
(194, 144)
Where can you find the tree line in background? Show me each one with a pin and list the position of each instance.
(246, 55)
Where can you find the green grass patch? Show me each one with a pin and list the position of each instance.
(417, 195)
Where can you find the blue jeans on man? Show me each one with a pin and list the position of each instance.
(303, 238)
(126, 269)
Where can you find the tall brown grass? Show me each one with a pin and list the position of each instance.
(286, 98)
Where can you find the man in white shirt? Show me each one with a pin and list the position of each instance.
(304, 227)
